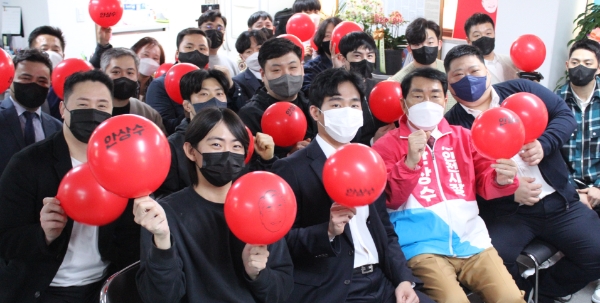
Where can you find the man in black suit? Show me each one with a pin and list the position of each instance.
(48, 257)
(21, 116)
(247, 45)
(340, 254)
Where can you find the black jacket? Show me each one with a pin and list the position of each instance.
(252, 114)
(561, 124)
(323, 269)
(32, 175)
(248, 84)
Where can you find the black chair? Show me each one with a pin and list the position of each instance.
(539, 252)
(121, 287)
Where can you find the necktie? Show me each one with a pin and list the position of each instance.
(430, 141)
(29, 132)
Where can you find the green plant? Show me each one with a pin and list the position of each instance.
(586, 22)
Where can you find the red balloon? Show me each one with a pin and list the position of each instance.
(105, 13)
(85, 201)
(531, 110)
(285, 122)
(528, 53)
(498, 133)
(65, 69)
(7, 70)
(385, 102)
(260, 208)
(250, 146)
(296, 41)
(129, 155)
(301, 26)
(340, 30)
(162, 69)
(174, 76)
(355, 175)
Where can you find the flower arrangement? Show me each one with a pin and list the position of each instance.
(388, 29)
(595, 34)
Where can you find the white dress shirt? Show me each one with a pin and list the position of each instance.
(524, 169)
(37, 120)
(82, 264)
(365, 251)
(495, 67)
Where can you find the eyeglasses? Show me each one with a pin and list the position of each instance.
(206, 27)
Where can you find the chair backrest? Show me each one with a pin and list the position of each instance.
(121, 287)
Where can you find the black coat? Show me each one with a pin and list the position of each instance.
(248, 85)
(323, 269)
(32, 175)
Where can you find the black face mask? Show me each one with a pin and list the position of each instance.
(221, 168)
(125, 88)
(425, 55)
(363, 68)
(485, 44)
(581, 75)
(84, 122)
(194, 57)
(30, 95)
(216, 38)
(213, 102)
(268, 32)
(325, 47)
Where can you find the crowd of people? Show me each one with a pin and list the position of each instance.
(450, 220)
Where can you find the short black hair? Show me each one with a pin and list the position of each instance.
(476, 19)
(211, 15)
(320, 34)
(190, 31)
(460, 51)
(306, 6)
(260, 15)
(243, 41)
(416, 31)
(152, 42)
(326, 84)
(191, 83)
(275, 48)
(425, 72)
(93, 75)
(47, 30)
(32, 55)
(354, 41)
(204, 121)
(587, 44)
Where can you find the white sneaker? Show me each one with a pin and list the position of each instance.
(596, 295)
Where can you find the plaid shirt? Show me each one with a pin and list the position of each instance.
(582, 152)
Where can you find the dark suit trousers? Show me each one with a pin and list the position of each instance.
(573, 231)
(375, 288)
(74, 294)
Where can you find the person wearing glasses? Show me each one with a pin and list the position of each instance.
(214, 25)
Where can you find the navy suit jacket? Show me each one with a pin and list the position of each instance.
(323, 269)
(11, 136)
(249, 85)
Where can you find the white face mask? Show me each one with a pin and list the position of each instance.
(426, 115)
(253, 66)
(148, 66)
(54, 57)
(342, 124)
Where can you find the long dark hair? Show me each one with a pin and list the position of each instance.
(204, 122)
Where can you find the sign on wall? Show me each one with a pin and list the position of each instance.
(466, 8)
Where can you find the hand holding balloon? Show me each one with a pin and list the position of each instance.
(53, 219)
(339, 216)
(264, 146)
(255, 259)
(150, 215)
(532, 153)
(416, 146)
(104, 34)
(506, 171)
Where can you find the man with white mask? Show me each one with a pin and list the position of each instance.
(52, 41)
(433, 174)
(250, 80)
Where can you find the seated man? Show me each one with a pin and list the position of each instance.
(551, 210)
(247, 45)
(121, 65)
(50, 257)
(340, 254)
(424, 42)
(480, 32)
(433, 207)
(215, 26)
(21, 119)
(282, 73)
(582, 96)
